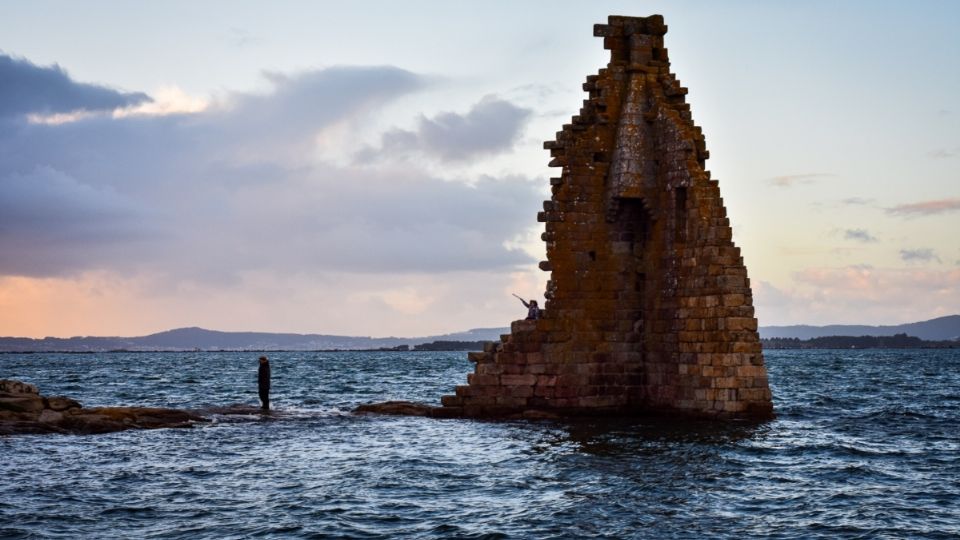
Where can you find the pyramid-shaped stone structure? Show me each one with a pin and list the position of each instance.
(649, 307)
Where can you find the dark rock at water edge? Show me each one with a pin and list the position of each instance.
(24, 411)
(400, 408)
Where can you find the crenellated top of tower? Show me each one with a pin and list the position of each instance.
(633, 40)
(620, 26)
(632, 91)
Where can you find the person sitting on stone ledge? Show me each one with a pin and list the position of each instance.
(533, 311)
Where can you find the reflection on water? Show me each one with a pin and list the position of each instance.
(626, 437)
(865, 445)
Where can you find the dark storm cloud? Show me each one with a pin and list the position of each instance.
(154, 153)
(211, 195)
(490, 127)
(50, 222)
(27, 88)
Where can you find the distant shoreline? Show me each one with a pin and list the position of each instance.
(942, 329)
(436, 346)
(897, 342)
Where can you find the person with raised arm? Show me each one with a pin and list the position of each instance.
(533, 311)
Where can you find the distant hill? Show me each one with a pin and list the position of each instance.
(477, 334)
(198, 338)
(942, 328)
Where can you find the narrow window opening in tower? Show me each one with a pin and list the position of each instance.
(634, 223)
(641, 280)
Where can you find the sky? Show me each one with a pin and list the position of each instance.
(375, 168)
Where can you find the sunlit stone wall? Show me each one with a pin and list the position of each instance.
(649, 307)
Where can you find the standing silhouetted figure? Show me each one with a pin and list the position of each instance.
(263, 383)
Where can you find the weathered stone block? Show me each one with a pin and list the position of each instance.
(482, 379)
(521, 391)
(511, 402)
(489, 369)
(518, 380)
(451, 401)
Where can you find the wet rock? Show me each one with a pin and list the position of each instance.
(110, 419)
(408, 408)
(24, 411)
(21, 403)
(8, 386)
(399, 408)
(59, 403)
(237, 409)
(50, 416)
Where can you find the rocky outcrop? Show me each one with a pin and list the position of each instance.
(23, 410)
(401, 408)
(410, 408)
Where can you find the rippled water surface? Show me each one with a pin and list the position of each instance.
(866, 445)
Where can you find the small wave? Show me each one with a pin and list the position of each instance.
(843, 459)
(127, 510)
(893, 415)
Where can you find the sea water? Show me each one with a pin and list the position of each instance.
(866, 444)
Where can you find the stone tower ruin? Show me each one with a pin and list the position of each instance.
(648, 308)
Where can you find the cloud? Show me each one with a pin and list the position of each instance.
(417, 304)
(858, 294)
(490, 127)
(236, 187)
(858, 201)
(241, 37)
(51, 220)
(867, 282)
(944, 153)
(166, 100)
(860, 235)
(28, 88)
(793, 179)
(919, 255)
(925, 208)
